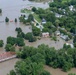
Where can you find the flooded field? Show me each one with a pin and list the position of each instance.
(47, 41)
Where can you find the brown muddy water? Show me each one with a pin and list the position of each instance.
(11, 9)
(6, 66)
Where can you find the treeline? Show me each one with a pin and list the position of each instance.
(33, 59)
(64, 58)
(68, 11)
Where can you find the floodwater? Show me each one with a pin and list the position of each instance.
(6, 66)
(47, 41)
(58, 71)
(11, 9)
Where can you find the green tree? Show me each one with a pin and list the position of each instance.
(6, 19)
(15, 19)
(12, 72)
(1, 43)
(34, 9)
(8, 47)
(28, 68)
(20, 41)
(0, 10)
(11, 40)
(45, 73)
(36, 31)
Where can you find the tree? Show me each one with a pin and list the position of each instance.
(34, 9)
(0, 10)
(19, 30)
(29, 36)
(45, 73)
(1, 43)
(30, 18)
(36, 31)
(12, 72)
(11, 40)
(20, 41)
(28, 68)
(38, 58)
(15, 19)
(6, 19)
(8, 47)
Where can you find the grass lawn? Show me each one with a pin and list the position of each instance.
(37, 17)
(25, 11)
(65, 1)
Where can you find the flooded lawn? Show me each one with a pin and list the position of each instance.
(47, 41)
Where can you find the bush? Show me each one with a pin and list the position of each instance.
(0, 10)
(6, 19)
(34, 9)
(29, 36)
(20, 41)
(1, 43)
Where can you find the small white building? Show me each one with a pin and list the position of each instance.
(57, 33)
(45, 34)
(71, 45)
(43, 21)
(64, 36)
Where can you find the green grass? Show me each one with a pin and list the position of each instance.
(25, 11)
(37, 17)
(65, 1)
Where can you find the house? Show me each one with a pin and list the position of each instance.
(57, 33)
(45, 34)
(43, 21)
(71, 45)
(26, 18)
(65, 37)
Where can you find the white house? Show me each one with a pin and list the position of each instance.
(43, 21)
(64, 37)
(45, 34)
(71, 45)
(57, 33)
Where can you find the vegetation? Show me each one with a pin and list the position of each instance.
(63, 58)
(29, 36)
(1, 43)
(36, 31)
(6, 19)
(9, 47)
(15, 19)
(0, 10)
